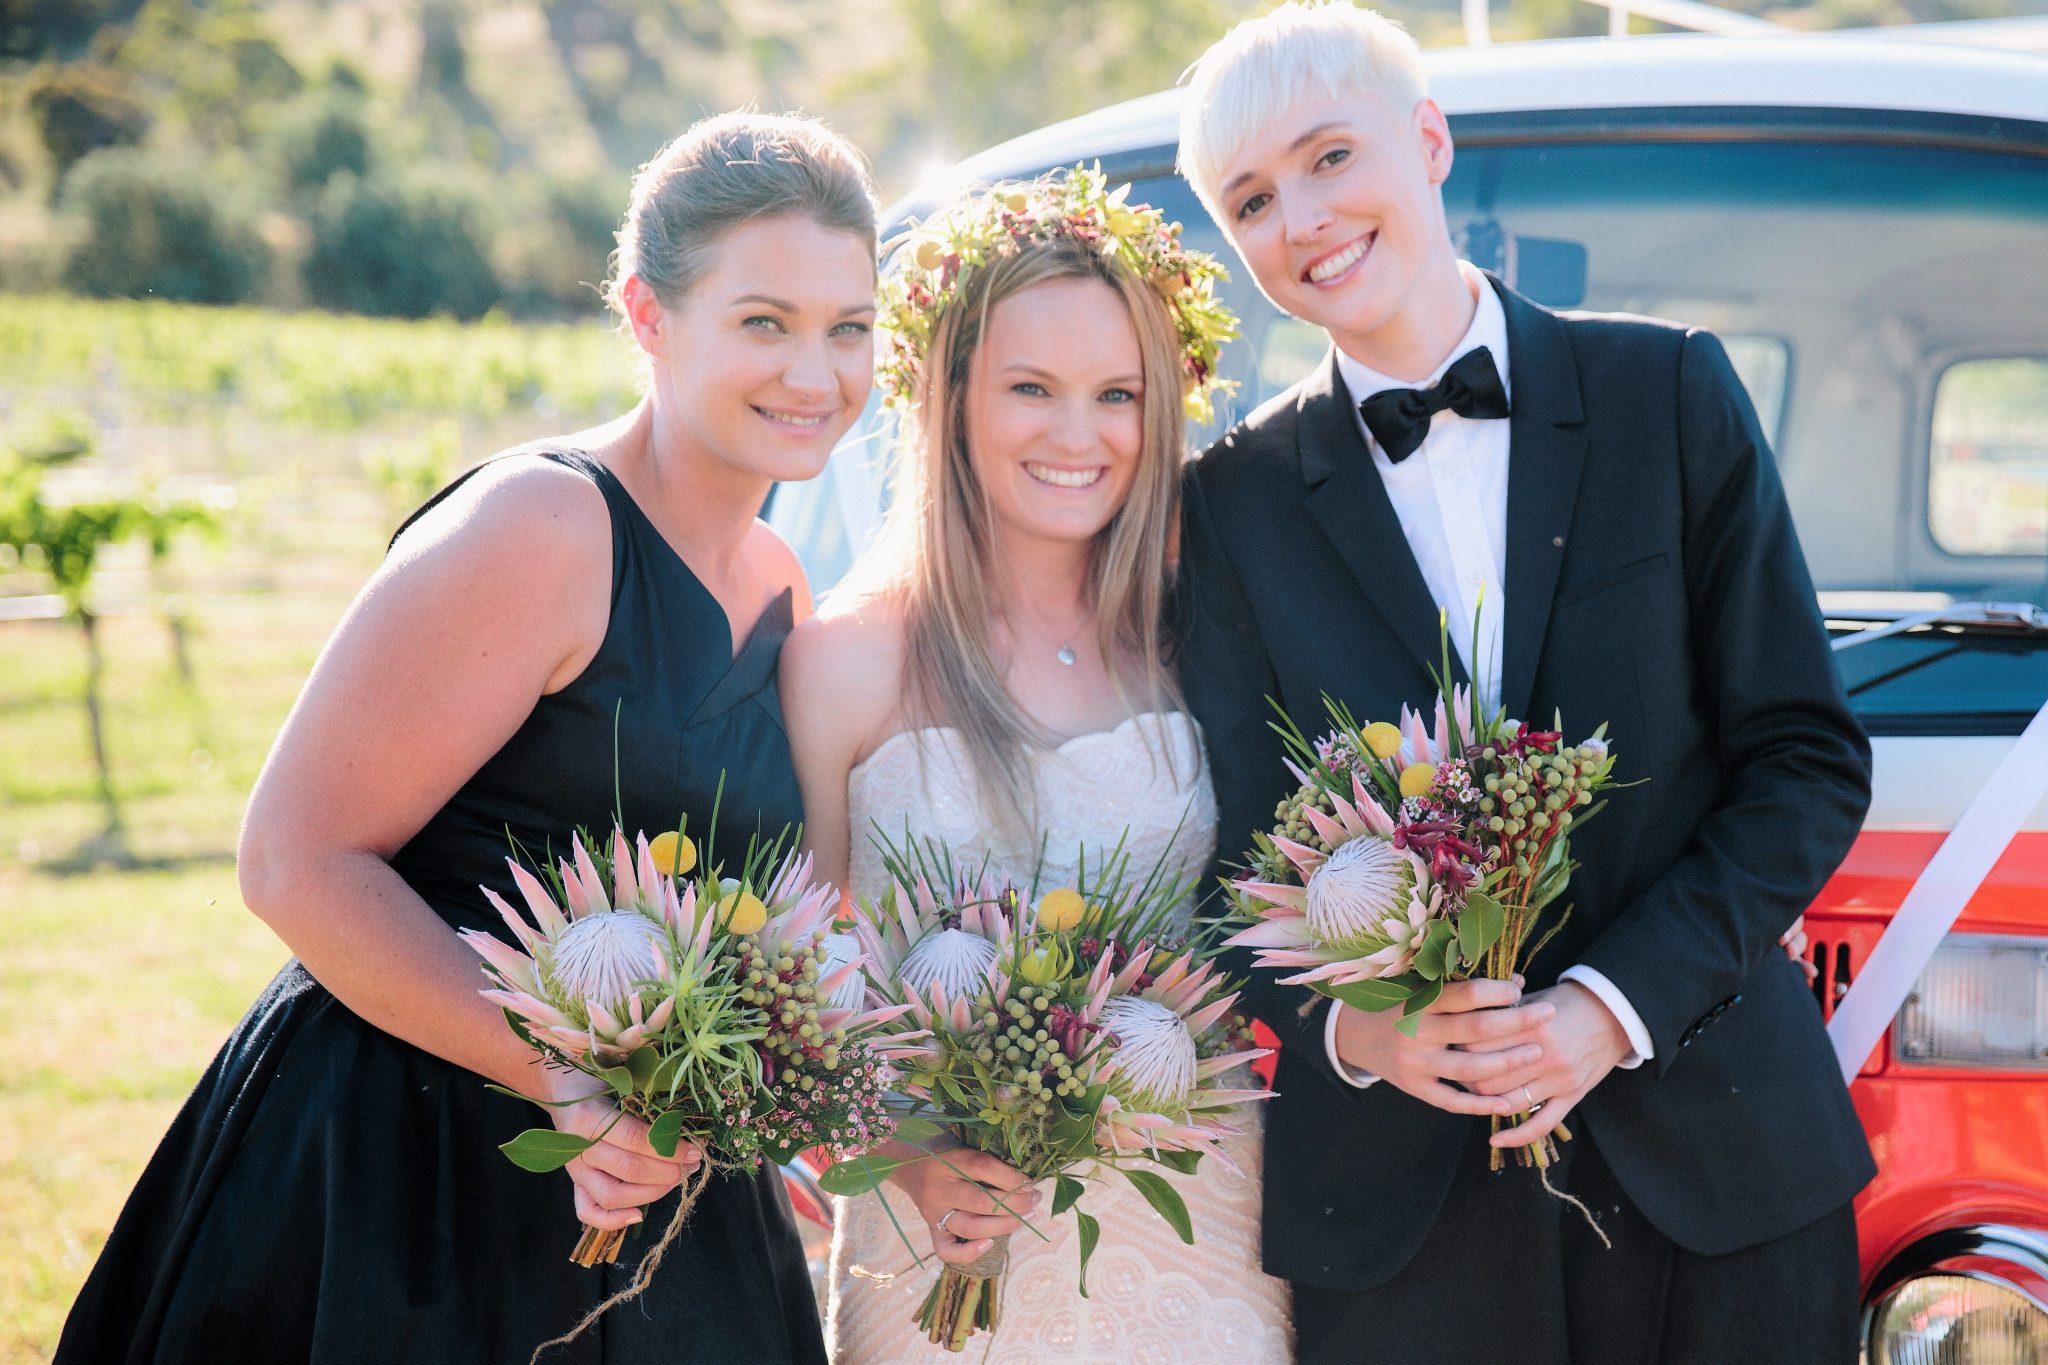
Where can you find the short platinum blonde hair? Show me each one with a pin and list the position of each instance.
(1259, 69)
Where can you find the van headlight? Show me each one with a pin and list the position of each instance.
(1981, 1002)
(1964, 1296)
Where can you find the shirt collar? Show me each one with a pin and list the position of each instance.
(1489, 329)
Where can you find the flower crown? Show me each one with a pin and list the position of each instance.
(1075, 205)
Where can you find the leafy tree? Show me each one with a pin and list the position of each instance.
(319, 135)
(400, 248)
(978, 71)
(34, 29)
(79, 109)
(151, 229)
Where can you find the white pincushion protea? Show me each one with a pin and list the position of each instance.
(952, 959)
(1362, 902)
(849, 988)
(1362, 909)
(934, 954)
(1155, 1053)
(597, 980)
(1163, 1094)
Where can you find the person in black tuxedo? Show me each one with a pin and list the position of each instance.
(1592, 495)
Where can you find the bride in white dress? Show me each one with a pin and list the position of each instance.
(994, 678)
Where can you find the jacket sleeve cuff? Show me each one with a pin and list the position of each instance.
(1346, 1073)
(1609, 994)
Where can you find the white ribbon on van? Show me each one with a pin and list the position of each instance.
(1943, 888)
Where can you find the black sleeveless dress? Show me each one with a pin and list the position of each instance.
(332, 1194)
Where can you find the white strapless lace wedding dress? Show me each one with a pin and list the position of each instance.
(1153, 1298)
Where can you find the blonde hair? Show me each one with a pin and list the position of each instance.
(726, 171)
(933, 559)
(1262, 67)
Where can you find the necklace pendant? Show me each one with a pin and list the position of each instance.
(1065, 655)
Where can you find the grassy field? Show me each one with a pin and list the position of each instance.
(124, 961)
(120, 969)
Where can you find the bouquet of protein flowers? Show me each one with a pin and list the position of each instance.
(711, 1006)
(1412, 856)
(1072, 1038)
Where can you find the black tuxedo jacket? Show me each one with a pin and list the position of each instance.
(1653, 582)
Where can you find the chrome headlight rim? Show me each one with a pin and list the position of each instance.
(2024, 1249)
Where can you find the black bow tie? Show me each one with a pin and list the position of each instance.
(1399, 418)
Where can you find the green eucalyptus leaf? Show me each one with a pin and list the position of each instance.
(858, 1175)
(1368, 995)
(1065, 1191)
(1479, 926)
(643, 1064)
(1411, 1013)
(619, 1078)
(1182, 1161)
(912, 1129)
(545, 1149)
(1162, 1196)
(665, 1132)
(1432, 959)
(1090, 1232)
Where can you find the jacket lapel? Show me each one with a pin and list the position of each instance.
(1349, 502)
(1546, 451)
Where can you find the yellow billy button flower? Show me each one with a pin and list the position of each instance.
(674, 854)
(1061, 910)
(1416, 777)
(744, 913)
(930, 254)
(1383, 739)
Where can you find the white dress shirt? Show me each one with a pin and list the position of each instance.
(1451, 496)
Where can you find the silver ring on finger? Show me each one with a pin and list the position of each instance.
(1529, 1098)
(941, 1224)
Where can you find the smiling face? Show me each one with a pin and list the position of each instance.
(767, 359)
(1055, 409)
(1336, 206)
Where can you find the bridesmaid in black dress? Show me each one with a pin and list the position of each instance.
(331, 1192)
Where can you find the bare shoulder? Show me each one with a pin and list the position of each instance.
(519, 510)
(778, 564)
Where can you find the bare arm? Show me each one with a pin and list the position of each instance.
(839, 681)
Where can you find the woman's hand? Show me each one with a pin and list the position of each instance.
(620, 1172)
(1794, 943)
(956, 1192)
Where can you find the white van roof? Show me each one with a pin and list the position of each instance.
(1664, 71)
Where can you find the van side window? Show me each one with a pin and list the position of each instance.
(1987, 488)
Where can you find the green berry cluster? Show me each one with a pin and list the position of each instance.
(1291, 819)
(1530, 797)
(785, 988)
(1030, 1069)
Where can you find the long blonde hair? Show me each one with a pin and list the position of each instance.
(933, 559)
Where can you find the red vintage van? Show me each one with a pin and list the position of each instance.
(1864, 221)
